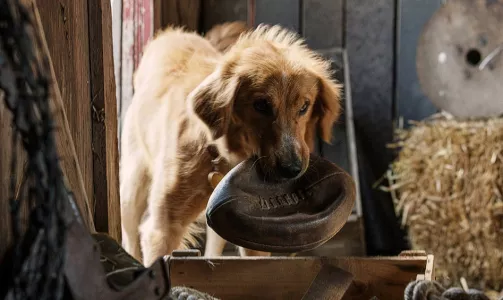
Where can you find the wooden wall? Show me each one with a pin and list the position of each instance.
(411, 102)
(79, 36)
(79, 42)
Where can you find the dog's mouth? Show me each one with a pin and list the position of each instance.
(271, 172)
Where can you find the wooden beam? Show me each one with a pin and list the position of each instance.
(65, 26)
(370, 33)
(290, 277)
(104, 120)
(177, 12)
(411, 102)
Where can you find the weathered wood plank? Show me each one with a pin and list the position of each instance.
(117, 42)
(323, 23)
(214, 12)
(137, 29)
(289, 278)
(104, 120)
(6, 176)
(282, 12)
(177, 12)
(370, 33)
(65, 25)
(411, 102)
(370, 38)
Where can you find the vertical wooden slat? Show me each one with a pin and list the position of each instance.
(370, 38)
(220, 11)
(323, 23)
(180, 12)
(369, 42)
(117, 42)
(127, 58)
(137, 30)
(104, 120)
(411, 102)
(65, 25)
(282, 12)
(144, 21)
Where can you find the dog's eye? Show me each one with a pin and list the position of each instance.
(262, 106)
(304, 108)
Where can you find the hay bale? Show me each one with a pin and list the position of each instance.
(447, 185)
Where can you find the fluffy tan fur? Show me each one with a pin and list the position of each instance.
(223, 36)
(187, 95)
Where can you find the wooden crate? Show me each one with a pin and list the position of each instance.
(291, 277)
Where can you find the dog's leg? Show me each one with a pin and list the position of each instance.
(249, 252)
(214, 243)
(134, 183)
(158, 240)
(163, 230)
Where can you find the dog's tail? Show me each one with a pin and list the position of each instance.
(223, 36)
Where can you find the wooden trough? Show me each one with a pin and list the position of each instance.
(300, 277)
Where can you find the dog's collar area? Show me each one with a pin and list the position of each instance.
(219, 166)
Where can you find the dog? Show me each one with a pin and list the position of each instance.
(265, 96)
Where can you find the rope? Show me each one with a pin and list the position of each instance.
(38, 257)
(432, 290)
(185, 293)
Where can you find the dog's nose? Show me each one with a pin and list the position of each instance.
(291, 169)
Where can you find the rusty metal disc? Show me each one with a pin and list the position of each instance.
(460, 58)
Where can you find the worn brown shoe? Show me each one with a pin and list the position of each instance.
(292, 216)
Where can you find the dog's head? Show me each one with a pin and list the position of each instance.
(269, 97)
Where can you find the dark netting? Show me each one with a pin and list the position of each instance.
(37, 256)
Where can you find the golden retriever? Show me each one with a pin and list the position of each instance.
(266, 96)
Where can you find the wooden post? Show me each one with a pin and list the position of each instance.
(79, 38)
(104, 120)
(64, 24)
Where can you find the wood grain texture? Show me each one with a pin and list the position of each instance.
(138, 21)
(323, 23)
(104, 120)
(177, 12)
(370, 46)
(411, 102)
(6, 175)
(214, 12)
(282, 12)
(65, 25)
(289, 278)
(64, 143)
(70, 93)
(117, 42)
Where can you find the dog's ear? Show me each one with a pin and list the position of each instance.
(328, 107)
(212, 101)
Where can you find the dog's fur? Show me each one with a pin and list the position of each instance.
(250, 101)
